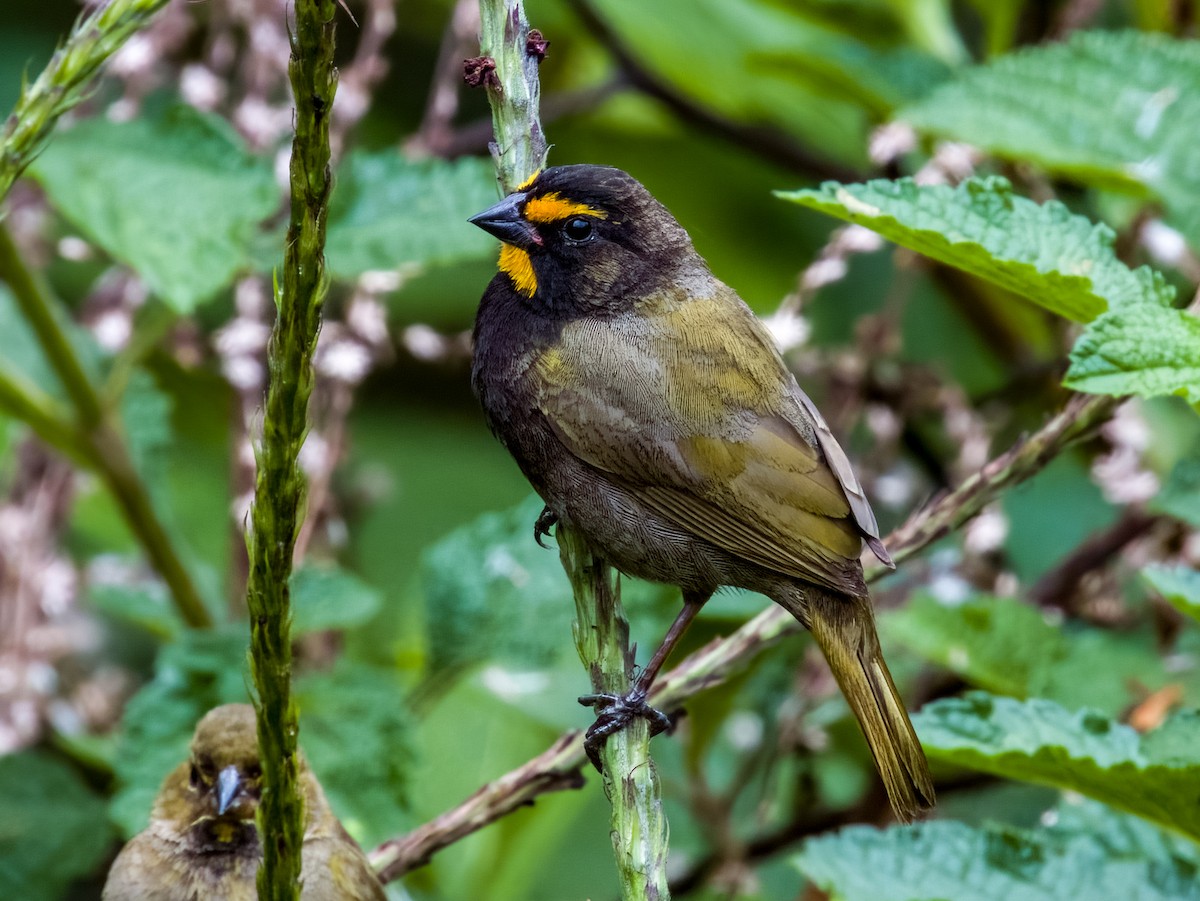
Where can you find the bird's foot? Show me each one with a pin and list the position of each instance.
(546, 521)
(614, 713)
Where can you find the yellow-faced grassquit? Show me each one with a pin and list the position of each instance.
(652, 412)
(202, 843)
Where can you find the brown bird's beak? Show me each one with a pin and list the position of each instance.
(229, 784)
(504, 221)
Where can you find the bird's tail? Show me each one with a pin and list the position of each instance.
(844, 629)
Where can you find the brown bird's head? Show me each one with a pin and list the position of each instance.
(213, 796)
(586, 238)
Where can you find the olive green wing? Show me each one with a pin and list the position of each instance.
(707, 430)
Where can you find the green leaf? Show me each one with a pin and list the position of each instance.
(1114, 109)
(943, 860)
(175, 196)
(388, 212)
(1180, 585)
(357, 736)
(1144, 350)
(999, 644)
(327, 597)
(146, 606)
(204, 669)
(52, 827)
(492, 594)
(1038, 741)
(1180, 496)
(1044, 252)
(1008, 647)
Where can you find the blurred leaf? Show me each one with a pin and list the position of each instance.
(388, 212)
(999, 644)
(146, 606)
(1008, 647)
(842, 67)
(1043, 252)
(493, 595)
(355, 730)
(174, 195)
(1041, 105)
(1038, 741)
(146, 416)
(1145, 350)
(52, 828)
(993, 863)
(1105, 670)
(204, 669)
(328, 597)
(712, 52)
(21, 356)
(1180, 586)
(1180, 496)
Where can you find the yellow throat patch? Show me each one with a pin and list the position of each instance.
(515, 263)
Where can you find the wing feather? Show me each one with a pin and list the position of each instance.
(711, 432)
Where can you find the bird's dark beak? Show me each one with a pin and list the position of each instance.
(229, 783)
(504, 221)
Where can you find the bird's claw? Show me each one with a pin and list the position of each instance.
(613, 713)
(546, 521)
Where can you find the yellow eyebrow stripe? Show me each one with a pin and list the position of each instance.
(554, 208)
(524, 186)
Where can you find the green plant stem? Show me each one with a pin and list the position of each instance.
(557, 768)
(520, 146)
(96, 36)
(279, 491)
(93, 439)
(639, 824)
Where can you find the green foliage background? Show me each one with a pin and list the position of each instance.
(434, 636)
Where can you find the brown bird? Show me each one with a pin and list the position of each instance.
(652, 412)
(202, 843)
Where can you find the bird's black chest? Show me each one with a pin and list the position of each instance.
(510, 335)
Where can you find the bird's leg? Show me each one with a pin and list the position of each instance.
(613, 712)
(546, 521)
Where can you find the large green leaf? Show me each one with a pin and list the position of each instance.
(355, 731)
(998, 644)
(1043, 252)
(1154, 776)
(491, 594)
(327, 597)
(1180, 495)
(175, 195)
(52, 827)
(1108, 108)
(1145, 350)
(389, 212)
(950, 860)
(1179, 585)
(1008, 647)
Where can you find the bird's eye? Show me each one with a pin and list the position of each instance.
(578, 229)
(194, 776)
(253, 771)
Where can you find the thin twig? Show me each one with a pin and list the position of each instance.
(558, 768)
(92, 439)
(770, 144)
